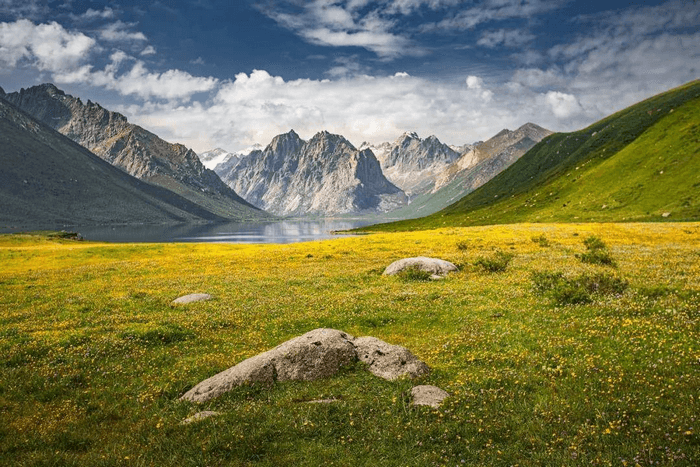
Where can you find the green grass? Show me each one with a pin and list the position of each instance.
(640, 164)
(93, 357)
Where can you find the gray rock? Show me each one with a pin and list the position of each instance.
(428, 395)
(388, 361)
(199, 416)
(317, 354)
(191, 298)
(437, 267)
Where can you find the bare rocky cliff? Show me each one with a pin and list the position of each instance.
(133, 149)
(412, 163)
(326, 175)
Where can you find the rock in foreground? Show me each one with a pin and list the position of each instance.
(317, 354)
(428, 395)
(434, 266)
(191, 298)
(388, 361)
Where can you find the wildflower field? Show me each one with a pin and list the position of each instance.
(568, 344)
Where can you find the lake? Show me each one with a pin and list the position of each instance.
(288, 231)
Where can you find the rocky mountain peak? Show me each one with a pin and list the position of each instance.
(323, 176)
(131, 148)
(286, 143)
(2, 91)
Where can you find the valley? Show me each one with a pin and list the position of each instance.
(567, 334)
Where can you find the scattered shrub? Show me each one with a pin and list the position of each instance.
(414, 273)
(496, 263)
(541, 241)
(594, 243)
(603, 284)
(597, 252)
(601, 257)
(576, 290)
(546, 280)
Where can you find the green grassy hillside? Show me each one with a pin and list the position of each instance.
(640, 164)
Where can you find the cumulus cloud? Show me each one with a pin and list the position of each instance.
(563, 105)
(619, 59)
(49, 47)
(52, 48)
(255, 107)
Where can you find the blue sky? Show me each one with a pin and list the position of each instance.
(212, 73)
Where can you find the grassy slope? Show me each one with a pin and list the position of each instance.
(639, 163)
(93, 358)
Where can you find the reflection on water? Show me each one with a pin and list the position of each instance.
(272, 232)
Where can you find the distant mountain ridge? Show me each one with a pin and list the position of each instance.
(133, 149)
(326, 175)
(640, 164)
(217, 156)
(479, 164)
(47, 180)
(412, 163)
(492, 156)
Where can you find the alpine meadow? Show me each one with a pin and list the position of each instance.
(350, 233)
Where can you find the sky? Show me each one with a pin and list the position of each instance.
(229, 74)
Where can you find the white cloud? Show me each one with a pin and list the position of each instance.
(563, 105)
(474, 82)
(27, 9)
(620, 59)
(327, 23)
(256, 107)
(49, 47)
(149, 50)
(52, 48)
(492, 10)
(92, 15)
(118, 31)
(139, 81)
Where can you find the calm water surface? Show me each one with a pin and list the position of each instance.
(270, 232)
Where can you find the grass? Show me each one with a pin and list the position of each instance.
(93, 358)
(639, 164)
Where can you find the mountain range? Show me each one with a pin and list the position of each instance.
(639, 164)
(133, 149)
(412, 163)
(326, 175)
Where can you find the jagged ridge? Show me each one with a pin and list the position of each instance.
(325, 176)
(133, 149)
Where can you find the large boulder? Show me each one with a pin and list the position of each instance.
(317, 354)
(435, 266)
(388, 361)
